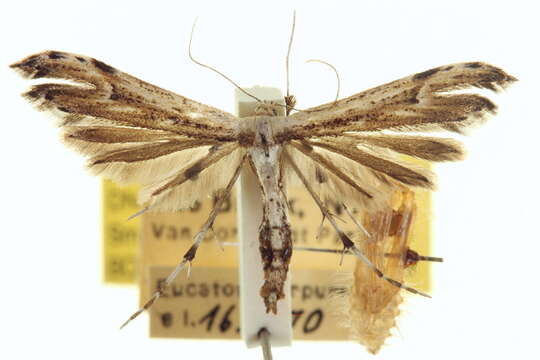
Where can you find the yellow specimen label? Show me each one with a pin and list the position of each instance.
(120, 236)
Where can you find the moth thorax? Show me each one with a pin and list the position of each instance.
(269, 108)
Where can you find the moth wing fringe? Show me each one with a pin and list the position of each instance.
(331, 187)
(209, 180)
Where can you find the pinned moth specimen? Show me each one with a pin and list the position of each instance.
(181, 150)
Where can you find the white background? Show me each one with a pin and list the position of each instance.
(485, 305)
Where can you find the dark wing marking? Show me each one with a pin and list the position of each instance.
(421, 102)
(100, 91)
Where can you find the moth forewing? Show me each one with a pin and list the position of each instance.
(425, 101)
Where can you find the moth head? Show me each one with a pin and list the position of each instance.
(268, 108)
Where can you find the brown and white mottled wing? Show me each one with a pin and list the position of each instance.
(361, 130)
(420, 102)
(103, 92)
(133, 131)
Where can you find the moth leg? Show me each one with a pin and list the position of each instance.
(347, 242)
(319, 232)
(138, 213)
(214, 237)
(190, 254)
(358, 225)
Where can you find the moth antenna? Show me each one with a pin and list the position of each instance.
(347, 242)
(335, 71)
(290, 100)
(213, 69)
(342, 256)
(190, 254)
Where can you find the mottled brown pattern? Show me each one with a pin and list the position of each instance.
(413, 103)
(272, 273)
(110, 88)
(275, 242)
(180, 150)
